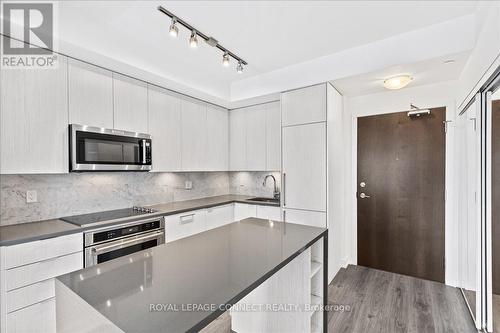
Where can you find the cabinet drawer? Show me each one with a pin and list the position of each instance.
(184, 225)
(43, 270)
(27, 253)
(243, 211)
(268, 212)
(219, 216)
(37, 318)
(34, 293)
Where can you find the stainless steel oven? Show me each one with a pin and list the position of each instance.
(101, 149)
(115, 241)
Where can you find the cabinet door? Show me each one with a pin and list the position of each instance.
(269, 212)
(194, 131)
(34, 120)
(219, 216)
(90, 90)
(165, 129)
(217, 139)
(304, 167)
(243, 211)
(237, 140)
(37, 318)
(184, 225)
(130, 98)
(303, 106)
(314, 219)
(273, 137)
(256, 138)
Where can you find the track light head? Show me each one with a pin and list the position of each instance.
(173, 30)
(239, 68)
(225, 59)
(193, 41)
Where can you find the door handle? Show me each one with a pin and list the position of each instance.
(363, 196)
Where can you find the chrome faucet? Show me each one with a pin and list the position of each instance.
(276, 192)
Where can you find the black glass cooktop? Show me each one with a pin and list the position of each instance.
(107, 216)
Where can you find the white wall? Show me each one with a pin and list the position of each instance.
(485, 57)
(435, 95)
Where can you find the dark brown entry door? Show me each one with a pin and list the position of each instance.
(401, 161)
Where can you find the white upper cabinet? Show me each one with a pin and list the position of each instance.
(304, 167)
(217, 141)
(165, 129)
(237, 140)
(273, 137)
(90, 90)
(130, 98)
(34, 120)
(194, 134)
(256, 138)
(303, 106)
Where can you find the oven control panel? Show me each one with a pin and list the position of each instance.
(125, 231)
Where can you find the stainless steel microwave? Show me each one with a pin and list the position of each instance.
(101, 149)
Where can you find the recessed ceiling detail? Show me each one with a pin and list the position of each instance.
(193, 40)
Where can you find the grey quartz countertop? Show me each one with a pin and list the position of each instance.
(214, 268)
(28, 232)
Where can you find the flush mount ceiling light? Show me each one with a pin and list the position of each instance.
(397, 82)
(193, 40)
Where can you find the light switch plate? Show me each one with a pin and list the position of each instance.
(188, 184)
(31, 196)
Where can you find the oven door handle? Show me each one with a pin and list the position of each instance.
(137, 239)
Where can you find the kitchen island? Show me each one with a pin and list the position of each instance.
(270, 275)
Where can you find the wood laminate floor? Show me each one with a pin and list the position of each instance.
(369, 300)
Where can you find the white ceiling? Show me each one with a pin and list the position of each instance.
(423, 72)
(268, 34)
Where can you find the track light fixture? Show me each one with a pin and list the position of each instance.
(173, 30)
(193, 40)
(225, 59)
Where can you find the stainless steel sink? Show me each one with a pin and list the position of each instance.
(268, 200)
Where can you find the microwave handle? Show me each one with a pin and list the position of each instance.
(143, 145)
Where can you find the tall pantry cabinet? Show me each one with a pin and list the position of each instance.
(312, 174)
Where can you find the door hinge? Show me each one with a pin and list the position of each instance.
(445, 122)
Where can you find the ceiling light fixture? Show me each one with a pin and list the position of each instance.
(225, 59)
(239, 68)
(193, 41)
(173, 30)
(397, 82)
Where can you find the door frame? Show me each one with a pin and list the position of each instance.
(451, 197)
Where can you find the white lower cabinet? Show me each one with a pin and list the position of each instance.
(27, 289)
(243, 211)
(219, 216)
(185, 224)
(38, 318)
(311, 218)
(269, 212)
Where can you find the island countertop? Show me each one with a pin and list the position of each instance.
(213, 268)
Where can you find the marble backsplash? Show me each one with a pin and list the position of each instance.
(79, 193)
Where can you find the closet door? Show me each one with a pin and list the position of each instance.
(304, 167)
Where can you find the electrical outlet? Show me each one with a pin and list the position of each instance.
(31, 196)
(188, 184)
